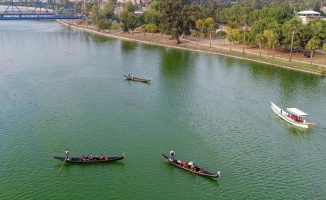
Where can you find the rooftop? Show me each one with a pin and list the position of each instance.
(308, 12)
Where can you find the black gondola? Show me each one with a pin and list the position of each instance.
(196, 170)
(94, 160)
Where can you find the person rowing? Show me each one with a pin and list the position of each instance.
(172, 155)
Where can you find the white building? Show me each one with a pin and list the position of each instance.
(308, 15)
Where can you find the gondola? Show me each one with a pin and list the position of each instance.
(94, 160)
(197, 170)
(131, 78)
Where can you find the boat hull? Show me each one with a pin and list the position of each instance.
(178, 164)
(95, 160)
(284, 115)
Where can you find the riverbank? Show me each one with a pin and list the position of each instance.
(218, 47)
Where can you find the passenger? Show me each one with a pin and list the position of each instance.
(192, 167)
(90, 157)
(82, 158)
(201, 170)
(190, 164)
(102, 157)
(184, 164)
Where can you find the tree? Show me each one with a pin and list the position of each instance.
(289, 30)
(189, 17)
(200, 24)
(324, 47)
(132, 22)
(151, 17)
(104, 24)
(151, 28)
(108, 9)
(313, 44)
(316, 28)
(272, 40)
(128, 8)
(222, 35)
(211, 28)
(233, 36)
(172, 18)
(260, 38)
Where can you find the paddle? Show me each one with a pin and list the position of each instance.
(62, 165)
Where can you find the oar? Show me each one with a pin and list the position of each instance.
(62, 165)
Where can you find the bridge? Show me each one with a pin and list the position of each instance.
(36, 11)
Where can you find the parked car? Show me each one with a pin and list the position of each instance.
(295, 50)
(306, 55)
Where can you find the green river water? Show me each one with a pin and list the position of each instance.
(62, 88)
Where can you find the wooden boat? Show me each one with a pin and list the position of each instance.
(293, 116)
(94, 160)
(132, 78)
(197, 170)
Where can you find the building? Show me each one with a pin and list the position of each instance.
(134, 1)
(308, 15)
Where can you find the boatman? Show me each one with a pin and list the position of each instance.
(67, 154)
(172, 155)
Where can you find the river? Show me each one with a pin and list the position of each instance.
(62, 88)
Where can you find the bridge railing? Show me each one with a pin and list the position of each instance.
(15, 10)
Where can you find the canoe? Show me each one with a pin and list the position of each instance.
(95, 159)
(132, 78)
(293, 116)
(198, 170)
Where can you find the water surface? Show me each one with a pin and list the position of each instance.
(62, 88)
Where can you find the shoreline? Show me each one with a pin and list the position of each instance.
(189, 45)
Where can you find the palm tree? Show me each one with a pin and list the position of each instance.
(291, 26)
(313, 44)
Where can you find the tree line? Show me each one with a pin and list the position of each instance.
(246, 22)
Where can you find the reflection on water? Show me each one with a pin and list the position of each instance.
(127, 46)
(177, 64)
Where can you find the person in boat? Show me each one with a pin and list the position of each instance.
(128, 74)
(102, 157)
(67, 153)
(190, 165)
(82, 158)
(90, 157)
(184, 164)
(201, 170)
(172, 155)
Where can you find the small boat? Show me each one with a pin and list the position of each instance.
(293, 116)
(94, 160)
(132, 78)
(196, 170)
